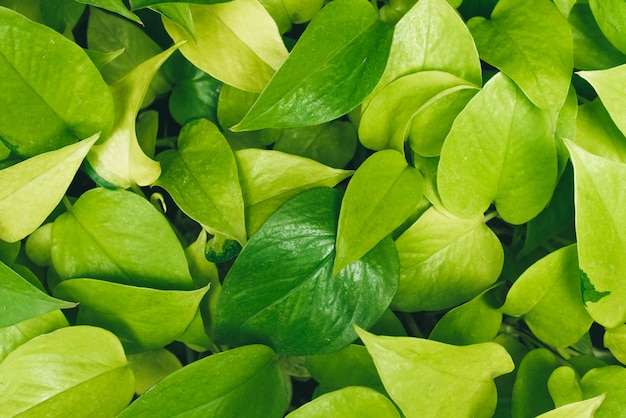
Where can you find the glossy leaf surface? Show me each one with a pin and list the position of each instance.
(15, 335)
(344, 50)
(609, 84)
(506, 157)
(53, 95)
(417, 374)
(242, 382)
(381, 195)
(281, 291)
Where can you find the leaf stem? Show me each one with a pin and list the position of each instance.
(412, 326)
(67, 203)
(489, 216)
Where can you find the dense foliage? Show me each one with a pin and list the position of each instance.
(261, 208)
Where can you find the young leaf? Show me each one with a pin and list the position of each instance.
(236, 42)
(269, 178)
(428, 378)
(31, 189)
(242, 382)
(142, 318)
(600, 229)
(72, 371)
(507, 157)
(611, 17)
(16, 335)
(115, 6)
(352, 401)
(52, 94)
(531, 43)
(609, 86)
(445, 261)
(202, 179)
(281, 290)
(333, 67)
(387, 120)
(548, 295)
(530, 392)
(615, 341)
(581, 409)
(118, 236)
(607, 380)
(20, 300)
(152, 366)
(381, 195)
(119, 160)
(596, 132)
(564, 386)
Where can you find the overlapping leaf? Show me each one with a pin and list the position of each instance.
(597, 133)
(15, 335)
(606, 380)
(115, 6)
(609, 84)
(530, 392)
(611, 17)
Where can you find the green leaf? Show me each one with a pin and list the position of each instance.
(180, 14)
(581, 409)
(600, 229)
(31, 189)
(281, 290)
(530, 42)
(615, 341)
(9, 251)
(507, 157)
(530, 392)
(549, 297)
(609, 84)
(607, 380)
(611, 17)
(152, 366)
(596, 132)
(118, 236)
(52, 94)
(429, 378)
(115, 6)
(142, 318)
(348, 402)
(16, 335)
(243, 382)
(269, 178)
(140, 4)
(387, 121)
(236, 42)
(564, 386)
(119, 160)
(445, 261)
(381, 195)
(73, 371)
(343, 50)
(432, 37)
(20, 300)
(202, 179)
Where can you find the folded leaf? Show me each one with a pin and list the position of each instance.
(31, 189)
(581, 409)
(115, 6)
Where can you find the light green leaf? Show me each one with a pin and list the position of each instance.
(119, 161)
(565, 6)
(615, 341)
(381, 195)
(31, 189)
(600, 230)
(52, 94)
(20, 300)
(140, 4)
(564, 386)
(202, 179)
(100, 59)
(115, 6)
(269, 178)
(432, 36)
(530, 392)
(352, 401)
(549, 297)
(611, 17)
(74, 371)
(596, 132)
(507, 157)
(343, 50)
(607, 380)
(611, 88)
(429, 378)
(152, 366)
(388, 119)
(16, 335)
(142, 318)
(445, 261)
(281, 290)
(581, 409)
(242, 382)
(118, 236)
(236, 42)
(180, 14)
(531, 42)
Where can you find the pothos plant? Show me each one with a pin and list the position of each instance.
(261, 208)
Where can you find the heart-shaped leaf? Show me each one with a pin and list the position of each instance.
(381, 195)
(429, 378)
(52, 94)
(281, 290)
(343, 50)
(609, 84)
(73, 371)
(201, 176)
(507, 157)
(243, 382)
(31, 189)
